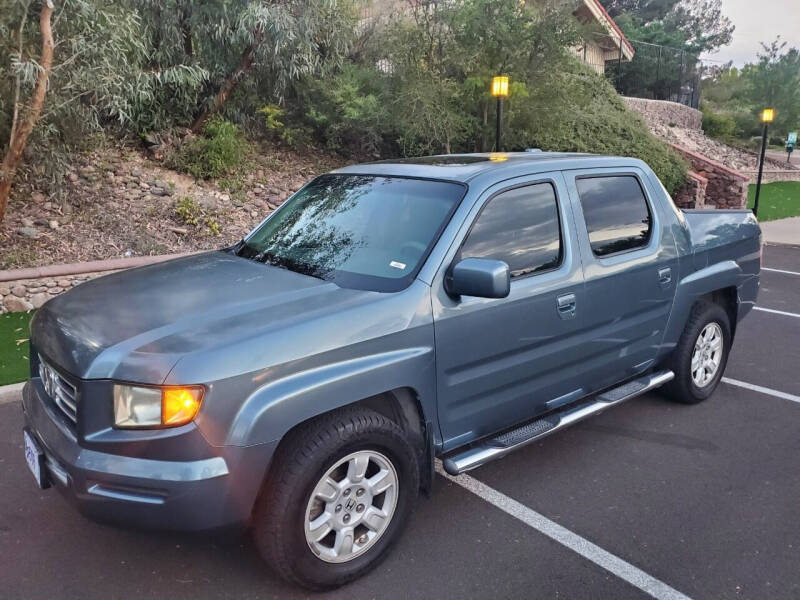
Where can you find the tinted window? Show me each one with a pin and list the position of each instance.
(616, 213)
(520, 227)
(359, 231)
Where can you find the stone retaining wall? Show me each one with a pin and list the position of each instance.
(693, 194)
(773, 176)
(664, 113)
(26, 294)
(726, 188)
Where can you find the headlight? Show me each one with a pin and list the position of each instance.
(155, 407)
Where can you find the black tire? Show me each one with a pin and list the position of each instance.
(300, 463)
(683, 388)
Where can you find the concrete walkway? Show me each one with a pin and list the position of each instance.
(782, 231)
(781, 156)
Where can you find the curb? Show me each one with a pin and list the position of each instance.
(783, 245)
(95, 266)
(10, 393)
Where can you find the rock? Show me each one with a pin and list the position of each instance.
(53, 224)
(19, 291)
(64, 283)
(28, 232)
(39, 299)
(207, 202)
(38, 197)
(17, 304)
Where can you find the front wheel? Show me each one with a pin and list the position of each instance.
(701, 355)
(338, 496)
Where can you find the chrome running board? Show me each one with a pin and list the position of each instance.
(491, 449)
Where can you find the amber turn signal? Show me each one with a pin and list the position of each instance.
(180, 405)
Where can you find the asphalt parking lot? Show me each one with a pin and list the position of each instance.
(650, 498)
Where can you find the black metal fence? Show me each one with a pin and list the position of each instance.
(654, 71)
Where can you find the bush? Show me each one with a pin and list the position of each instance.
(577, 110)
(217, 152)
(717, 125)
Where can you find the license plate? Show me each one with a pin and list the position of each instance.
(35, 459)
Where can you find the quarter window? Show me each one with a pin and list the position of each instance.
(519, 227)
(616, 213)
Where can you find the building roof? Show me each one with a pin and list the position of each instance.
(601, 16)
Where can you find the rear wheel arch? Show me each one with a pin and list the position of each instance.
(728, 299)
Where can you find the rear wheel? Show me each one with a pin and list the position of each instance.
(701, 355)
(338, 496)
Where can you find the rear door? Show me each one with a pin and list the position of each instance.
(630, 270)
(501, 361)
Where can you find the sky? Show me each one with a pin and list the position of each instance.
(758, 21)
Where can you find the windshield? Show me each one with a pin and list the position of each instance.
(359, 231)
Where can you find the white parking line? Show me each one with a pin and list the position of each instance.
(760, 389)
(611, 563)
(780, 271)
(777, 312)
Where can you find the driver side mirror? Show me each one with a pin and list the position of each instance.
(479, 277)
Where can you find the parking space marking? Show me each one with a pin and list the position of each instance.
(777, 312)
(761, 389)
(610, 562)
(780, 271)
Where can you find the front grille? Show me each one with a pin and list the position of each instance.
(61, 392)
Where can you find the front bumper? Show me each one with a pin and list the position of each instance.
(122, 487)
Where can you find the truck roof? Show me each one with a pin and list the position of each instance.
(465, 167)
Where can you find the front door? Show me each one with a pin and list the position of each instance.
(502, 361)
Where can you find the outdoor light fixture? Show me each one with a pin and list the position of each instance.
(500, 86)
(499, 91)
(767, 116)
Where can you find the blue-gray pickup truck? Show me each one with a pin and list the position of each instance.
(305, 381)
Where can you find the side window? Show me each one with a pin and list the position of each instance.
(520, 227)
(616, 213)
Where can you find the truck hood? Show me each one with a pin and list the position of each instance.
(135, 325)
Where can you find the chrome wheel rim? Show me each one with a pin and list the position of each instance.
(707, 355)
(351, 506)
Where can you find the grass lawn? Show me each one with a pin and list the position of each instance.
(778, 200)
(14, 347)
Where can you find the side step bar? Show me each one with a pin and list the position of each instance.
(497, 447)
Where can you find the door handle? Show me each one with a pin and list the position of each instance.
(665, 276)
(566, 306)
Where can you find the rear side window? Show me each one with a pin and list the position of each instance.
(616, 213)
(519, 227)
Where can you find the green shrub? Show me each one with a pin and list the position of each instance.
(217, 152)
(577, 110)
(718, 125)
(191, 213)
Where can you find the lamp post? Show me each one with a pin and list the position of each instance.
(499, 91)
(767, 116)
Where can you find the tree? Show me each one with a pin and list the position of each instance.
(25, 116)
(695, 26)
(774, 82)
